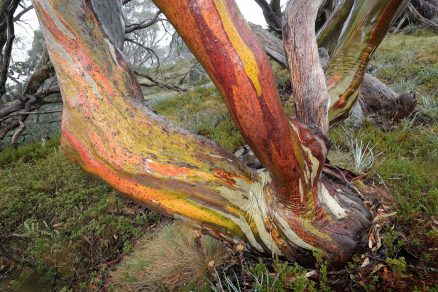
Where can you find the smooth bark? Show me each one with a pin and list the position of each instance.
(310, 90)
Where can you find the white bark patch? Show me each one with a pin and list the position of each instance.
(112, 50)
(332, 206)
(91, 82)
(310, 171)
(300, 185)
(256, 208)
(216, 156)
(58, 22)
(291, 235)
(314, 164)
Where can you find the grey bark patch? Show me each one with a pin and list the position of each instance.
(110, 14)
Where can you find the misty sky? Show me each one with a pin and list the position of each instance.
(24, 31)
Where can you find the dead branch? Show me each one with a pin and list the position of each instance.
(158, 83)
(420, 17)
(21, 13)
(272, 17)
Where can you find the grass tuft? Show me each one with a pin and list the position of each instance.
(171, 260)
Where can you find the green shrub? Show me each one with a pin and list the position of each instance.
(398, 266)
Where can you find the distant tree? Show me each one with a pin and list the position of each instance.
(23, 69)
(299, 204)
(145, 30)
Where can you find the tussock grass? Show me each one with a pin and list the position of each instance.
(170, 260)
(352, 149)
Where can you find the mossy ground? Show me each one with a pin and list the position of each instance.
(62, 228)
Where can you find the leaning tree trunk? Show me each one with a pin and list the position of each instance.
(290, 209)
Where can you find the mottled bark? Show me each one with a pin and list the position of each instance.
(329, 34)
(289, 209)
(364, 30)
(242, 73)
(111, 15)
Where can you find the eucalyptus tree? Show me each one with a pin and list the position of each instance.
(297, 204)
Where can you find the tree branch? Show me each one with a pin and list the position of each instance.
(184, 175)
(145, 24)
(420, 17)
(302, 53)
(157, 83)
(361, 35)
(271, 16)
(8, 47)
(21, 13)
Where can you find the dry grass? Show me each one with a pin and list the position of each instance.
(170, 260)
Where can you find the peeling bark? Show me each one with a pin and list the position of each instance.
(362, 32)
(290, 209)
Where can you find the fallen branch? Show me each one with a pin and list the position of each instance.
(420, 17)
(158, 83)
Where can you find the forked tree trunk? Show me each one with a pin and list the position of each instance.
(378, 102)
(290, 209)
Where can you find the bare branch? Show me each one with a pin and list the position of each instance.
(272, 17)
(145, 24)
(157, 83)
(420, 17)
(8, 47)
(24, 11)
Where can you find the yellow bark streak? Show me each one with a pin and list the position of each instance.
(245, 53)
